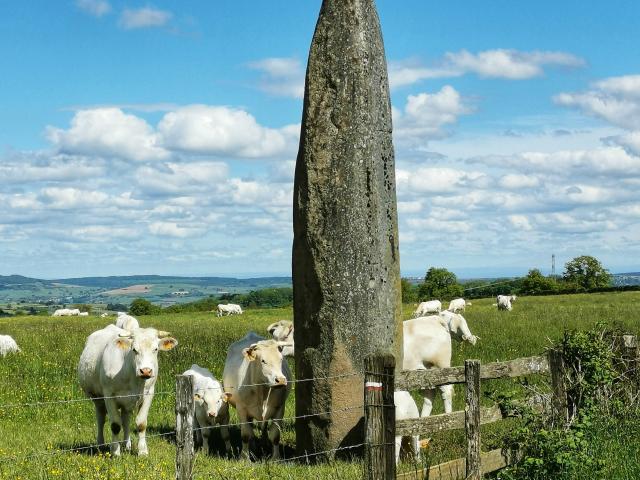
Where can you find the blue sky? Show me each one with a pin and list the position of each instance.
(161, 137)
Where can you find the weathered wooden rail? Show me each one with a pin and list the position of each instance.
(476, 463)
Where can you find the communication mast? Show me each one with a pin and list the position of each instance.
(553, 265)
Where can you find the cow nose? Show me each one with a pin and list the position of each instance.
(212, 414)
(145, 372)
(281, 380)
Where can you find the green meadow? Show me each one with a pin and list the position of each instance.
(34, 438)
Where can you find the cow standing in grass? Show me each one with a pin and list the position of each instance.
(282, 331)
(257, 377)
(118, 370)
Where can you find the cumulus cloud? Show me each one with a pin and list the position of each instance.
(108, 132)
(425, 116)
(172, 229)
(146, 17)
(216, 130)
(97, 8)
(280, 76)
(514, 181)
(615, 100)
(498, 63)
(194, 129)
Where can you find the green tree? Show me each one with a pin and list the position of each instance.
(409, 291)
(439, 283)
(535, 282)
(83, 307)
(141, 306)
(586, 272)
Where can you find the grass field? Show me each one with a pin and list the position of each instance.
(31, 438)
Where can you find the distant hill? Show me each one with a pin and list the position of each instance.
(19, 280)
(124, 281)
(622, 279)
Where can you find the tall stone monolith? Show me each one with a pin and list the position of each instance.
(346, 271)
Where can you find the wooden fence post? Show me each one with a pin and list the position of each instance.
(632, 362)
(379, 418)
(559, 400)
(185, 409)
(472, 419)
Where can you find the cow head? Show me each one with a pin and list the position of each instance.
(211, 399)
(143, 345)
(458, 327)
(282, 331)
(269, 355)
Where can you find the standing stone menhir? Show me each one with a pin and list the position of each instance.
(346, 270)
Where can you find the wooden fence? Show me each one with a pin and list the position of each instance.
(380, 420)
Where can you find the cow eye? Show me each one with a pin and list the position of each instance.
(264, 362)
(155, 350)
(135, 351)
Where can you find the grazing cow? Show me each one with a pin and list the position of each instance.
(104, 315)
(118, 370)
(406, 409)
(257, 377)
(427, 343)
(432, 306)
(503, 302)
(211, 406)
(66, 312)
(229, 309)
(456, 305)
(126, 322)
(457, 326)
(83, 314)
(8, 345)
(282, 331)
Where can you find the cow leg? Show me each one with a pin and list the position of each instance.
(415, 442)
(246, 433)
(274, 432)
(398, 447)
(116, 425)
(203, 431)
(447, 397)
(427, 405)
(223, 419)
(126, 416)
(101, 415)
(141, 422)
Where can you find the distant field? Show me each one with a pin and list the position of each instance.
(132, 290)
(45, 371)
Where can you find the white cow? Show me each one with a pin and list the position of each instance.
(503, 302)
(427, 343)
(432, 306)
(406, 409)
(104, 315)
(282, 331)
(457, 304)
(83, 314)
(118, 370)
(8, 345)
(211, 406)
(229, 309)
(126, 322)
(257, 377)
(66, 312)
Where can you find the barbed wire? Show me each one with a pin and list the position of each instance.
(90, 399)
(489, 285)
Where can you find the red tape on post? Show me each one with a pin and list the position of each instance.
(373, 386)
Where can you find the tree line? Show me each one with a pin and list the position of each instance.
(581, 274)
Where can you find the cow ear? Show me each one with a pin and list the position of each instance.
(162, 333)
(226, 397)
(196, 396)
(167, 343)
(250, 353)
(123, 343)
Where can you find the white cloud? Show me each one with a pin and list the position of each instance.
(172, 229)
(212, 130)
(515, 181)
(521, 222)
(102, 233)
(510, 64)
(33, 167)
(181, 178)
(281, 76)
(426, 114)
(97, 8)
(108, 132)
(145, 17)
(72, 198)
(499, 63)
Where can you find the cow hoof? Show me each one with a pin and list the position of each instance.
(143, 453)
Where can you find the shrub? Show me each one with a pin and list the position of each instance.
(141, 306)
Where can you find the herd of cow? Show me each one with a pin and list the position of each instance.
(118, 369)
